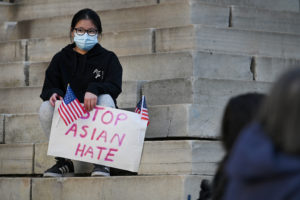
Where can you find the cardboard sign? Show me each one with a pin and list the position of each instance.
(106, 136)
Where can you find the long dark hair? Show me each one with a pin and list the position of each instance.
(239, 112)
(87, 14)
(280, 114)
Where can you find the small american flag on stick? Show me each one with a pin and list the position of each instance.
(70, 108)
(141, 108)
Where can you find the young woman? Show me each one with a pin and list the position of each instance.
(94, 74)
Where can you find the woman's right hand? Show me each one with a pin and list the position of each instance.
(53, 99)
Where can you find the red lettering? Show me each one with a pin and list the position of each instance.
(104, 135)
(80, 150)
(119, 117)
(87, 115)
(110, 154)
(96, 112)
(94, 131)
(73, 128)
(111, 117)
(85, 131)
(90, 151)
(120, 141)
(100, 151)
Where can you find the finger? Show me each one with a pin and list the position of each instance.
(93, 104)
(51, 102)
(90, 104)
(60, 98)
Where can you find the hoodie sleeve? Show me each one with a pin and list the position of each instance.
(53, 80)
(112, 83)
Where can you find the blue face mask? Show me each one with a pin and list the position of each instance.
(85, 41)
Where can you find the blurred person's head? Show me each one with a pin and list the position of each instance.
(239, 112)
(280, 113)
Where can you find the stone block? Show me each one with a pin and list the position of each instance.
(122, 43)
(37, 72)
(280, 5)
(129, 42)
(196, 90)
(180, 157)
(155, 16)
(16, 159)
(269, 69)
(173, 187)
(184, 120)
(45, 49)
(12, 74)
(12, 51)
(20, 100)
(2, 118)
(186, 64)
(159, 157)
(23, 128)
(265, 20)
(131, 94)
(35, 9)
(157, 66)
(230, 40)
(15, 188)
(222, 66)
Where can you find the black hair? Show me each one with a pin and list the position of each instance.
(87, 14)
(280, 114)
(239, 112)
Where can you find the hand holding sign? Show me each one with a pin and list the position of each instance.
(105, 136)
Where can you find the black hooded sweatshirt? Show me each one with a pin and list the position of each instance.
(98, 71)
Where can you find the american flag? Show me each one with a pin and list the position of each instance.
(141, 108)
(70, 108)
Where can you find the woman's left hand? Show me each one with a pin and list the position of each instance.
(90, 101)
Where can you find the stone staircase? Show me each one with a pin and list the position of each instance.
(187, 56)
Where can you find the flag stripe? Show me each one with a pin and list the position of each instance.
(81, 107)
(67, 112)
(76, 105)
(71, 111)
(64, 114)
(74, 109)
(62, 117)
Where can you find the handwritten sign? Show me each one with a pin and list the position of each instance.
(106, 136)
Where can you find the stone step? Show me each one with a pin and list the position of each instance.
(173, 187)
(197, 90)
(145, 67)
(23, 10)
(166, 121)
(161, 66)
(230, 40)
(122, 43)
(193, 37)
(279, 5)
(159, 157)
(13, 51)
(265, 20)
(154, 16)
(27, 100)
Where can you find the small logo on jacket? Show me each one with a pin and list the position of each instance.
(98, 73)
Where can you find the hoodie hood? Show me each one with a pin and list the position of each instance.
(257, 170)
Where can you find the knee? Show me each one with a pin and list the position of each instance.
(46, 111)
(106, 100)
